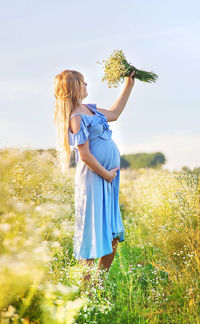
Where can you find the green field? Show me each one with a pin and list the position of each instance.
(154, 277)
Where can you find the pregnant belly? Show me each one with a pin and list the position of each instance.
(106, 152)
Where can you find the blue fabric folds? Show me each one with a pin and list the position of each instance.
(107, 132)
(89, 121)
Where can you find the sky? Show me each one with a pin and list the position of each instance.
(39, 39)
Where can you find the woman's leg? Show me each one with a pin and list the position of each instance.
(106, 261)
(103, 264)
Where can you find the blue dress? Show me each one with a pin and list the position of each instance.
(97, 213)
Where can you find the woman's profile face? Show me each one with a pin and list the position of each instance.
(84, 89)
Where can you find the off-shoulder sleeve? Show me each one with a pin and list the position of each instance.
(94, 106)
(81, 136)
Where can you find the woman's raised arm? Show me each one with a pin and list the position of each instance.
(120, 104)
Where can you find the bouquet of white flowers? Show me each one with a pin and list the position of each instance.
(116, 68)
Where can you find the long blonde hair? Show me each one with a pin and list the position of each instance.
(67, 87)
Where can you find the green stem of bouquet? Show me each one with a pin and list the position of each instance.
(140, 74)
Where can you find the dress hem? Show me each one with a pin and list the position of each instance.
(121, 239)
(120, 235)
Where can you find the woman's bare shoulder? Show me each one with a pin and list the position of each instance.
(74, 123)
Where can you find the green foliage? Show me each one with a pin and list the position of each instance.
(154, 277)
(143, 160)
(162, 211)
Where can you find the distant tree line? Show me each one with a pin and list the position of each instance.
(143, 160)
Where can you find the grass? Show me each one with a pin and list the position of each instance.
(154, 277)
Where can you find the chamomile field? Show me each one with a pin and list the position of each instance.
(154, 277)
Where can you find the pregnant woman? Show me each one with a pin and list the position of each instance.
(84, 127)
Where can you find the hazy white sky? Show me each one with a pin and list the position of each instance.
(41, 38)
